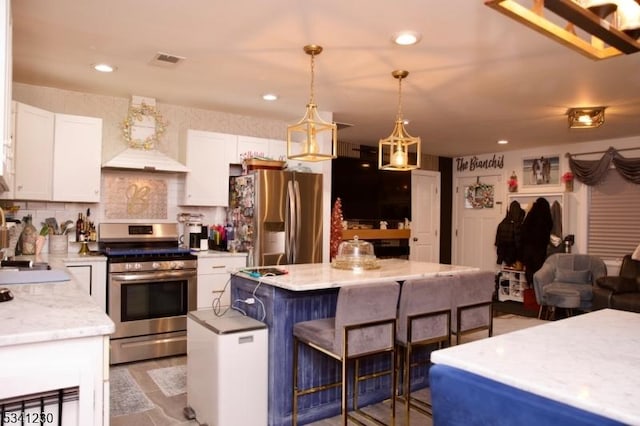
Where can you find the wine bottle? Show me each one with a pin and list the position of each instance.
(79, 228)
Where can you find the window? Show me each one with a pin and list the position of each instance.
(613, 217)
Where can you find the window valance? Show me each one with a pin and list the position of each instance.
(590, 172)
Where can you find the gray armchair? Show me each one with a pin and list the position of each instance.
(568, 273)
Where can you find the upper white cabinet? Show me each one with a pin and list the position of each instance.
(278, 149)
(249, 146)
(206, 156)
(76, 158)
(6, 149)
(271, 148)
(57, 157)
(33, 153)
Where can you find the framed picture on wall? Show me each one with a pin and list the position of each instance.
(541, 171)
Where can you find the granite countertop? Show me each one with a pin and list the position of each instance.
(589, 361)
(51, 311)
(317, 276)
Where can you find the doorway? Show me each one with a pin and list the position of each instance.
(424, 243)
(476, 220)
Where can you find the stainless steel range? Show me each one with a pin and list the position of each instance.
(151, 285)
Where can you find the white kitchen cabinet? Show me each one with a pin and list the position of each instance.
(277, 149)
(213, 279)
(44, 367)
(6, 148)
(270, 148)
(77, 155)
(205, 154)
(249, 146)
(91, 274)
(33, 153)
(57, 157)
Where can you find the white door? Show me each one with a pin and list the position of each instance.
(424, 244)
(476, 222)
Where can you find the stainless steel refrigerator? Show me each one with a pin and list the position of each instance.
(277, 216)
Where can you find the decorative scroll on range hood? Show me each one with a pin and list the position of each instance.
(144, 159)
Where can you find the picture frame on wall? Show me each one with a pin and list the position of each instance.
(541, 171)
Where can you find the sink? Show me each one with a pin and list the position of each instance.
(32, 276)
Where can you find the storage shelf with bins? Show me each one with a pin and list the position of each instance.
(512, 284)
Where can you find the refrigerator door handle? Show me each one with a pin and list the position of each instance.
(298, 222)
(290, 223)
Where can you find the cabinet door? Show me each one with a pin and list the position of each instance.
(33, 153)
(207, 182)
(213, 279)
(92, 277)
(77, 158)
(5, 95)
(252, 147)
(278, 149)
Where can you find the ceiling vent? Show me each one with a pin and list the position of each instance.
(166, 60)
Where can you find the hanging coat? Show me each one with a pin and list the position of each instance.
(508, 240)
(536, 230)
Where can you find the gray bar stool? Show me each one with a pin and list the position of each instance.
(473, 303)
(364, 325)
(424, 318)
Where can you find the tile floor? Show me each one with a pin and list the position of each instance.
(169, 410)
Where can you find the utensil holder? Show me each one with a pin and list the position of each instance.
(58, 244)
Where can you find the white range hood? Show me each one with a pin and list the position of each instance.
(148, 160)
(143, 125)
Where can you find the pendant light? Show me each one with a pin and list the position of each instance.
(312, 138)
(400, 151)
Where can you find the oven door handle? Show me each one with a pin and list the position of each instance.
(155, 276)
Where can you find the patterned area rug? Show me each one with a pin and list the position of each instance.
(126, 396)
(172, 381)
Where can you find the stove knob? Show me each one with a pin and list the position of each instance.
(179, 264)
(156, 265)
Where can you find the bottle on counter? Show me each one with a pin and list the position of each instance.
(80, 228)
(28, 237)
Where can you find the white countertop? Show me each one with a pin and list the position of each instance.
(590, 361)
(51, 311)
(317, 276)
(217, 253)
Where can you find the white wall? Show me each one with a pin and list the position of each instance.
(577, 219)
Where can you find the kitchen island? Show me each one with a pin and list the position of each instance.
(576, 371)
(54, 337)
(309, 292)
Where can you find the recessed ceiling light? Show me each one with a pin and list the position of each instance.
(103, 67)
(503, 142)
(406, 38)
(270, 97)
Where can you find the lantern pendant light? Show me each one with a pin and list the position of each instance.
(399, 151)
(312, 138)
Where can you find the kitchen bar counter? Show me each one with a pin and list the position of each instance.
(319, 276)
(589, 364)
(310, 292)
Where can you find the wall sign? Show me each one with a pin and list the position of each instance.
(469, 164)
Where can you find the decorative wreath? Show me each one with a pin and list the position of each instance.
(136, 113)
(480, 195)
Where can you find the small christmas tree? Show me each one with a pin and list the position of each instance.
(336, 228)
